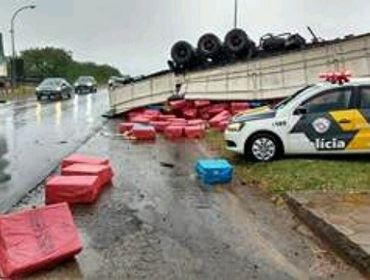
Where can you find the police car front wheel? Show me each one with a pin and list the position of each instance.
(263, 147)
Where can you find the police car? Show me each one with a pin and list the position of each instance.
(329, 117)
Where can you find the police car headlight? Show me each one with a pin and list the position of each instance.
(235, 127)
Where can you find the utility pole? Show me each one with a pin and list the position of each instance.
(12, 32)
(236, 14)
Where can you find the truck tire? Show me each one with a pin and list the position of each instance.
(182, 53)
(209, 46)
(238, 43)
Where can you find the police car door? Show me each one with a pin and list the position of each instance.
(325, 123)
(361, 120)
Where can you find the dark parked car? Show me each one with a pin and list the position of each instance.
(54, 88)
(86, 84)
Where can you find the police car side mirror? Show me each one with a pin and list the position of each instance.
(301, 110)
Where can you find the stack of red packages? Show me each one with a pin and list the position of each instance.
(103, 172)
(37, 239)
(82, 180)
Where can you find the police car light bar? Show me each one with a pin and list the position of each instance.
(336, 77)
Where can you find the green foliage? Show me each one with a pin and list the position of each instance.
(347, 173)
(55, 62)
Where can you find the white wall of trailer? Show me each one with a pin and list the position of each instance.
(259, 79)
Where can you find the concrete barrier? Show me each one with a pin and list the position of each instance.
(259, 79)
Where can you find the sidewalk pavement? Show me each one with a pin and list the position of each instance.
(342, 219)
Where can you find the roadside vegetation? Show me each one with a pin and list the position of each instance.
(345, 173)
(55, 62)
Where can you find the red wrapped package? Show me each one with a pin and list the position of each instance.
(201, 103)
(194, 132)
(178, 121)
(223, 116)
(237, 107)
(218, 108)
(72, 189)
(77, 158)
(143, 119)
(196, 122)
(37, 239)
(178, 104)
(134, 113)
(190, 113)
(166, 117)
(159, 126)
(221, 126)
(143, 132)
(174, 132)
(103, 172)
(125, 126)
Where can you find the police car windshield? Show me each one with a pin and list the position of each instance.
(283, 103)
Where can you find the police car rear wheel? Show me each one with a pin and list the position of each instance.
(263, 147)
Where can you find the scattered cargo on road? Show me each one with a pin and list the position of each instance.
(37, 239)
(214, 171)
(180, 118)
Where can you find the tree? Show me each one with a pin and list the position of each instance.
(55, 62)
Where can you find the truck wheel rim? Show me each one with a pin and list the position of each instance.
(263, 149)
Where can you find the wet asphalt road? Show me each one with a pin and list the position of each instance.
(35, 136)
(155, 222)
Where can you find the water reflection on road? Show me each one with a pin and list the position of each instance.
(34, 136)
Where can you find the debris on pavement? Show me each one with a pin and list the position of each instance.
(36, 239)
(214, 171)
(166, 164)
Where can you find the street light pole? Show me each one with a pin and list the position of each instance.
(12, 32)
(236, 14)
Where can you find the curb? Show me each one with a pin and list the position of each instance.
(351, 252)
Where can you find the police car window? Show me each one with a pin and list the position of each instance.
(332, 100)
(284, 102)
(365, 98)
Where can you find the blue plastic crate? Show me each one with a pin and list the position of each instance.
(214, 171)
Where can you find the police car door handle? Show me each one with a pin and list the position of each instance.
(344, 121)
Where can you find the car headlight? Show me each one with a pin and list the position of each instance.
(37, 89)
(89, 84)
(59, 89)
(235, 127)
(76, 84)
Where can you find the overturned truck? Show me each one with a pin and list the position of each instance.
(254, 73)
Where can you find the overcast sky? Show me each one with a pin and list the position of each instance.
(136, 35)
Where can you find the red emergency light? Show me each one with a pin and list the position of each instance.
(336, 77)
